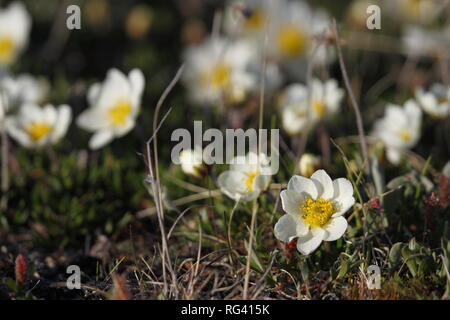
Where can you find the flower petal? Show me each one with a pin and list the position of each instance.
(323, 183)
(303, 186)
(291, 201)
(100, 139)
(335, 229)
(285, 228)
(232, 184)
(311, 241)
(62, 124)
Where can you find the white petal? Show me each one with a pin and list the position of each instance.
(93, 94)
(92, 119)
(137, 82)
(17, 133)
(343, 195)
(303, 185)
(291, 201)
(394, 155)
(311, 241)
(323, 183)
(335, 229)
(62, 124)
(100, 139)
(285, 228)
(232, 184)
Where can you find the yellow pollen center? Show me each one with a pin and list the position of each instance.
(37, 131)
(255, 21)
(404, 135)
(317, 213)
(219, 76)
(319, 108)
(6, 49)
(119, 112)
(249, 180)
(292, 41)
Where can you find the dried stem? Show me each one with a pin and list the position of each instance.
(155, 182)
(354, 103)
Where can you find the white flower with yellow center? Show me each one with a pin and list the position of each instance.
(292, 30)
(192, 162)
(436, 101)
(15, 24)
(314, 210)
(245, 179)
(298, 115)
(399, 129)
(114, 106)
(36, 126)
(217, 70)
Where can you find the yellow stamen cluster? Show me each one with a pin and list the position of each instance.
(292, 41)
(37, 131)
(405, 135)
(317, 213)
(119, 112)
(249, 180)
(319, 107)
(219, 76)
(6, 49)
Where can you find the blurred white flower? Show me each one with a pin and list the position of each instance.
(436, 101)
(308, 164)
(218, 70)
(298, 115)
(314, 209)
(415, 11)
(399, 129)
(35, 127)
(248, 18)
(293, 26)
(244, 181)
(418, 41)
(15, 24)
(24, 89)
(192, 162)
(113, 106)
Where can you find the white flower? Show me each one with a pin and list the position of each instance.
(415, 11)
(35, 127)
(315, 209)
(248, 18)
(192, 162)
(435, 102)
(245, 181)
(399, 129)
(298, 115)
(418, 41)
(15, 26)
(113, 106)
(24, 89)
(217, 70)
(293, 26)
(308, 164)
